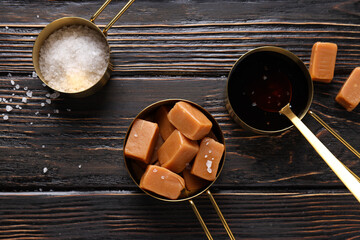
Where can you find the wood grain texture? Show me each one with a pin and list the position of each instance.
(271, 186)
(114, 215)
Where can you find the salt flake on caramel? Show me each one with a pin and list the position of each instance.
(207, 159)
(141, 141)
(162, 181)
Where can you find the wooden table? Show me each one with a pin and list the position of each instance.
(62, 174)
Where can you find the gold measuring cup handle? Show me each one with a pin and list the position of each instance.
(347, 177)
(217, 209)
(97, 13)
(335, 134)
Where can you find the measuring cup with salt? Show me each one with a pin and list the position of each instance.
(71, 55)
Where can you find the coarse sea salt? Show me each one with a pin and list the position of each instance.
(73, 58)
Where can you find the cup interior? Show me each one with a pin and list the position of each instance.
(136, 170)
(51, 28)
(258, 65)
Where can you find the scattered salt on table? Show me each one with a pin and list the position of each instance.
(73, 58)
(9, 108)
(5, 117)
(29, 93)
(24, 100)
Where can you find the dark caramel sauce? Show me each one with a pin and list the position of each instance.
(261, 84)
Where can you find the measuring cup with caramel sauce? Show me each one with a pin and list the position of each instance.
(269, 90)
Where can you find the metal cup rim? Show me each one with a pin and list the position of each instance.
(293, 58)
(153, 107)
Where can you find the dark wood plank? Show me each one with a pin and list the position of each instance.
(122, 215)
(91, 135)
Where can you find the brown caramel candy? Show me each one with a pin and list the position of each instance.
(208, 158)
(349, 94)
(189, 120)
(177, 151)
(162, 181)
(192, 182)
(141, 141)
(166, 128)
(322, 61)
(158, 144)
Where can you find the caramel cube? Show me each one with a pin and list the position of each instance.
(162, 181)
(189, 120)
(158, 144)
(166, 128)
(208, 158)
(192, 182)
(177, 151)
(141, 140)
(349, 94)
(322, 61)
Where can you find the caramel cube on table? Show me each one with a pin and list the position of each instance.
(208, 158)
(322, 61)
(192, 182)
(162, 181)
(177, 151)
(141, 140)
(166, 128)
(349, 94)
(189, 120)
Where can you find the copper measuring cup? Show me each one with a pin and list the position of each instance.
(67, 21)
(134, 173)
(249, 68)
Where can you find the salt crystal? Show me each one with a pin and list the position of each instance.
(206, 156)
(68, 109)
(48, 115)
(17, 106)
(79, 166)
(47, 95)
(12, 82)
(31, 123)
(34, 75)
(162, 177)
(37, 16)
(26, 88)
(209, 170)
(36, 113)
(45, 169)
(6, 27)
(208, 163)
(20, 107)
(48, 101)
(29, 93)
(43, 146)
(43, 84)
(56, 111)
(17, 86)
(42, 104)
(5, 117)
(24, 100)
(155, 170)
(254, 104)
(9, 108)
(10, 100)
(264, 77)
(54, 95)
(210, 151)
(66, 62)
(13, 94)
(135, 135)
